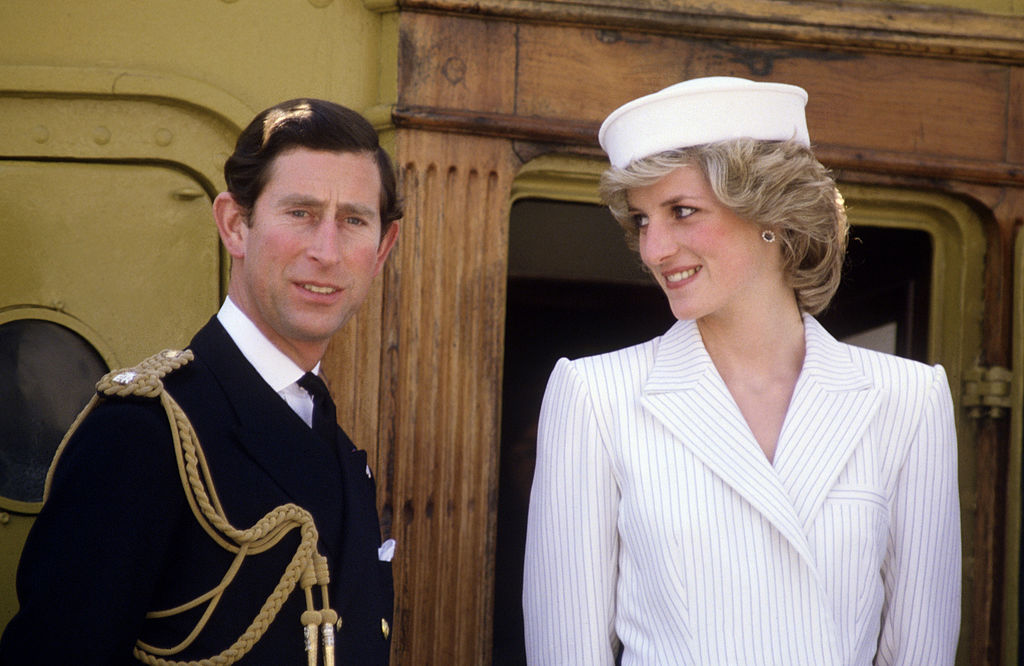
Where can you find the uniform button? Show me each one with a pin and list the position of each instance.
(385, 628)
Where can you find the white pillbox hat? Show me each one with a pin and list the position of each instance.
(698, 111)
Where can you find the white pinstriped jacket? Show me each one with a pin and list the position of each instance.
(656, 521)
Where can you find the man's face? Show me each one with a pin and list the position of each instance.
(305, 261)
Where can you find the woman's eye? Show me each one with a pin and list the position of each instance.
(639, 221)
(682, 211)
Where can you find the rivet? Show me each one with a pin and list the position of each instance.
(163, 137)
(101, 135)
(187, 193)
(454, 69)
(40, 134)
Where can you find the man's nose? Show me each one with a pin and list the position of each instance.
(324, 245)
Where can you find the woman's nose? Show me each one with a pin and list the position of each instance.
(656, 243)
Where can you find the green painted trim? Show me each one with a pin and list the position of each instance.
(957, 300)
(22, 312)
(19, 507)
(559, 177)
(39, 79)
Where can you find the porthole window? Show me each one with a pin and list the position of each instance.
(47, 375)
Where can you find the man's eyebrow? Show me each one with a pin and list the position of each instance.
(358, 209)
(308, 201)
(300, 200)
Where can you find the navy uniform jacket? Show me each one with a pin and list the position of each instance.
(117, 539)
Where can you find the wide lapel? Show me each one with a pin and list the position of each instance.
(832, 405)
(268, 431)
(685, 392)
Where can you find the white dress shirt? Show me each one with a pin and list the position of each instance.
(657, 523)
(271, 363)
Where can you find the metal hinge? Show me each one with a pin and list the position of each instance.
(987, 392)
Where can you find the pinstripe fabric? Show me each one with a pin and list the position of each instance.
(656, 521)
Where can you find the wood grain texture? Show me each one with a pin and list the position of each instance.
(444, 304)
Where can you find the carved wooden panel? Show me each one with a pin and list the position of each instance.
(443, 338)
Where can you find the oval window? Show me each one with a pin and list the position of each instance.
(47, 375)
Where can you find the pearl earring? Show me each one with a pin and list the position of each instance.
(768, 235)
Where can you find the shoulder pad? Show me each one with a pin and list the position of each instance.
(144, 379)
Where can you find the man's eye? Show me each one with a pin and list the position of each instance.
(356, 221)
(299, 214)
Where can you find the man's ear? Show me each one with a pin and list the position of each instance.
(386, 243)
(231, 224)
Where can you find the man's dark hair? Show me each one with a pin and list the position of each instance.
(306, 123)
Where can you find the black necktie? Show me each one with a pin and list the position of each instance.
(325, 421)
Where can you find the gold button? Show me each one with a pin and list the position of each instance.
(385, 628)
(338, 624)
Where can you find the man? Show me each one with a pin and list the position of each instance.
(136, 522)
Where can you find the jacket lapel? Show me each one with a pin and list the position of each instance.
(832, 405)
(686, 394)
(270, 433)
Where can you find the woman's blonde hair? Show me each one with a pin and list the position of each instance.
(777, 185)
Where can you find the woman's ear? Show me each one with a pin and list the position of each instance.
(232, 224)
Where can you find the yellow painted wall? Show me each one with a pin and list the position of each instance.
(257, 51)
(116, 117)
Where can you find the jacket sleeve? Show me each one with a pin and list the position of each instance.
(571, 543)
(93, 555)
(921, 572)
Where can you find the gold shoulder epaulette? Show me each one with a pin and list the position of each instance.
(143, 380)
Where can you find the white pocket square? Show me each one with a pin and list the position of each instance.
(386, 551)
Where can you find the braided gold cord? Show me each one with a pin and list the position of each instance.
(307, 565)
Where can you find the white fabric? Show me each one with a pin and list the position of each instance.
(705, 110)
(279, 371)
(655, 519)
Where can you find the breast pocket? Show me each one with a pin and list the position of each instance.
(850, 537)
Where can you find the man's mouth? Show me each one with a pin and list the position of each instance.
(317, 289)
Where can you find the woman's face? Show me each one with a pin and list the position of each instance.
(709, 261)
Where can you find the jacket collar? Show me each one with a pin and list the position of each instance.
(832, 403)
(268, 431)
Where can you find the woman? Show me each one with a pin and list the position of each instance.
(743, 489)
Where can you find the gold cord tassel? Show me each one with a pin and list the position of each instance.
(330, 617)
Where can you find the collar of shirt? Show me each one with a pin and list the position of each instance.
(276, 369)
